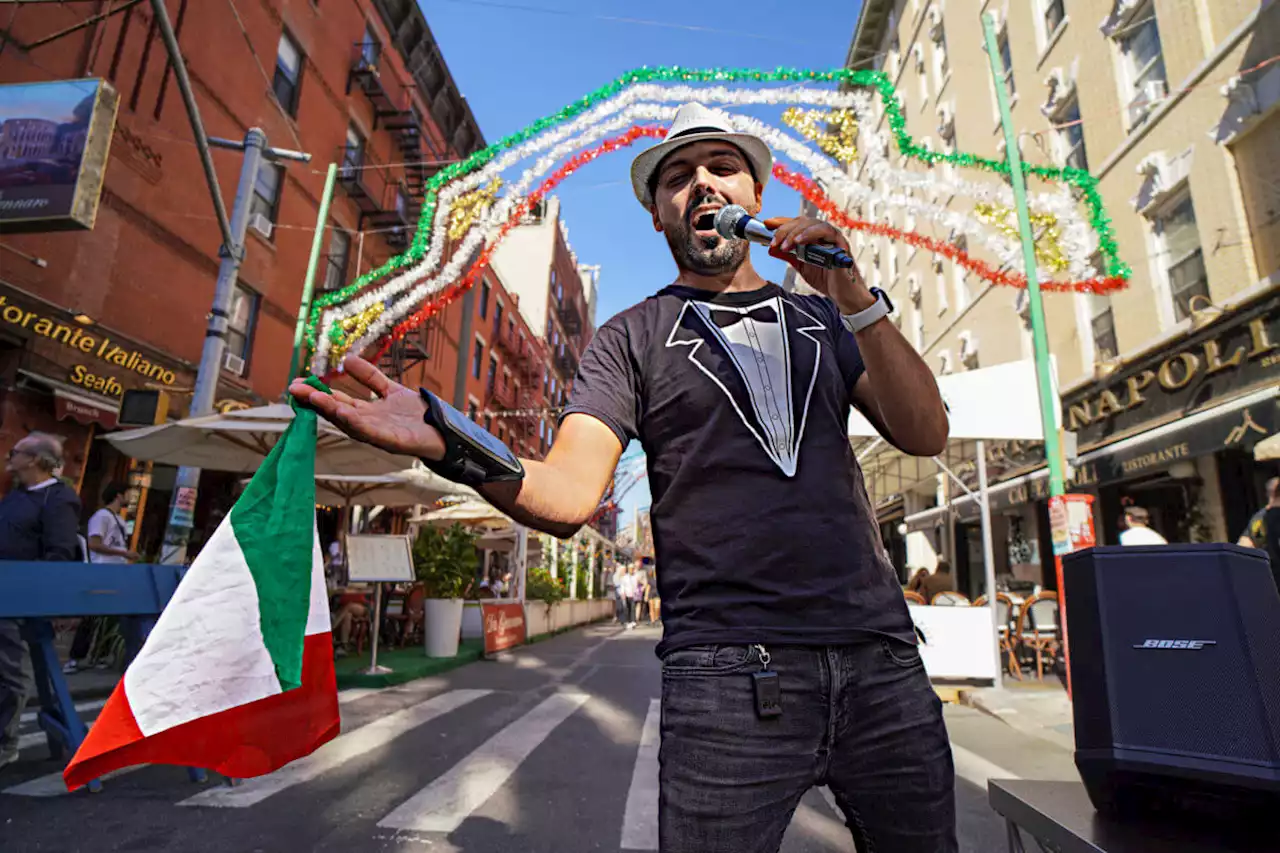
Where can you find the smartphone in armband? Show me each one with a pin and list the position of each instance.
(472, 455)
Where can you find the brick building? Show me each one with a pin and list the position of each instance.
(359, 82)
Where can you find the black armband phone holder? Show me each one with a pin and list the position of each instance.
(472, 456)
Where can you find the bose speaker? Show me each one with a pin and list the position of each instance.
(1175, 675)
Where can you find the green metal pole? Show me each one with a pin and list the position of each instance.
(1039, 339)
(309, 283)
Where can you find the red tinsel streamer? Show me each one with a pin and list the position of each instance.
(811, 191)
(805, 186)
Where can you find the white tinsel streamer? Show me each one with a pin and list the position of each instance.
(425, 278)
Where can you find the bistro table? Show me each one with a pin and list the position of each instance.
(1060, 817)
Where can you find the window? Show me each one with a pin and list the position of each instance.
(472, 412)
(484, 299)
(940, 282)
(497, 318)
(1144, 60)
(502, 433)
(242, 321)
(488, 423)
(370, 49)
(352, 154)
(1103, 322)
(288, 77)
(1182, 257)
(335, 269)
(493, 373)
(556, 287)
(477, 359)
(1071, 136)
(266, 191)
(1006, 61)
(917, 329)
(1054, 14)
(941, 63)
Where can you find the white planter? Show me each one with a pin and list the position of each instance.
(443, 625)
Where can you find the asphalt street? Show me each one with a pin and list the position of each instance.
(553, 748)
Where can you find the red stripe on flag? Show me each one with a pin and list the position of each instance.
(251, 740)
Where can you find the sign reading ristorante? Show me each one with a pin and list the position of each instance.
(93, 359)
(1214, 363)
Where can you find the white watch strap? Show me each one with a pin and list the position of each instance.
(859, 321)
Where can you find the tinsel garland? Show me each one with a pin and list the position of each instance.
(423, 242)
(814, 194)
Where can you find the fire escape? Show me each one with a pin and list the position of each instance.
(387, 203)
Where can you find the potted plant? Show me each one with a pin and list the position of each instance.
(444, 562)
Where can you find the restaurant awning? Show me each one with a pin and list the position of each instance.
(71, 403)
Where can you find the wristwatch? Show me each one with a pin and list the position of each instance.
(859, 321)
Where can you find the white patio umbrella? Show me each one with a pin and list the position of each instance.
(409, 487)
(1267, 449)
(238, 441)
(474, 513)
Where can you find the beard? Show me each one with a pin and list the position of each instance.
(703, 255)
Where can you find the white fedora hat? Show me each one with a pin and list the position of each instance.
(696, 123)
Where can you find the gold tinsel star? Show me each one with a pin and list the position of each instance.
(354, 327)
(1049, 250)
(469, 206)
(835, 132)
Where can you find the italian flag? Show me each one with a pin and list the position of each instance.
(237, 675)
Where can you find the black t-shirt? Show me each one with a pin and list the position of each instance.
(762, 529)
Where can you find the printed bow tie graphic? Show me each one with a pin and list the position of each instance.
(724, 319)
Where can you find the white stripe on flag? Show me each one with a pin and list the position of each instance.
(444, 804)
(640, 821)
(335, 753)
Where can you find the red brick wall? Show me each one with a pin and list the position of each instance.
(148, 267)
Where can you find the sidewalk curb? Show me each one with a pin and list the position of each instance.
(976, 700)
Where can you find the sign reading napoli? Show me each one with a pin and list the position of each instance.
(54, 139)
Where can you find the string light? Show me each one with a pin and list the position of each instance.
(461, 210)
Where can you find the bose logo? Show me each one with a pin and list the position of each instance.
(1175, 644)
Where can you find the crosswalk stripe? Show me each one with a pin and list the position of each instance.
(974, 768)
(334, 754)
(52, 784)
(91, 705)
(444, 804)
(640, 820)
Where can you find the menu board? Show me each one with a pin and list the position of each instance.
(380, 558)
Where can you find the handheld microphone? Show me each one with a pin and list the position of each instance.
(734, 223)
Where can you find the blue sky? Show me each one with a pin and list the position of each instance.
(516, 61)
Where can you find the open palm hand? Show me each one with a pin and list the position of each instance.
(393, 421)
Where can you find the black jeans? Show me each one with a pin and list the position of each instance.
(861, 719)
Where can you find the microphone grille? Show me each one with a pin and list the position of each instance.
(727, 219)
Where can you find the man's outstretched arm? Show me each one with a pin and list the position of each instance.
(556, 496)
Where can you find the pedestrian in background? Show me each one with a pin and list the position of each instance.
(39, 518)
(1136, 528)
(1255, 532)
(108, 542)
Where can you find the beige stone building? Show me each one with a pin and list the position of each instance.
(1168, 383)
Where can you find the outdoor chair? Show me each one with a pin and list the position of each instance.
(914, 598)
(1004, 628)
(1038, 629)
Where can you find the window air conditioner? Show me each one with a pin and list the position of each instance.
(262, 225)
(233, 363)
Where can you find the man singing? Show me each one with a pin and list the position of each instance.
(788, 656)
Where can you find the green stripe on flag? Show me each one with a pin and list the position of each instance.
(274, 523)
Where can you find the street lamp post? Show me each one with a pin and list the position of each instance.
(182, 505)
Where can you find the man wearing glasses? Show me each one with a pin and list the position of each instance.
(38, 521)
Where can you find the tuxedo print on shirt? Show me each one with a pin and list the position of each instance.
(764, 358)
